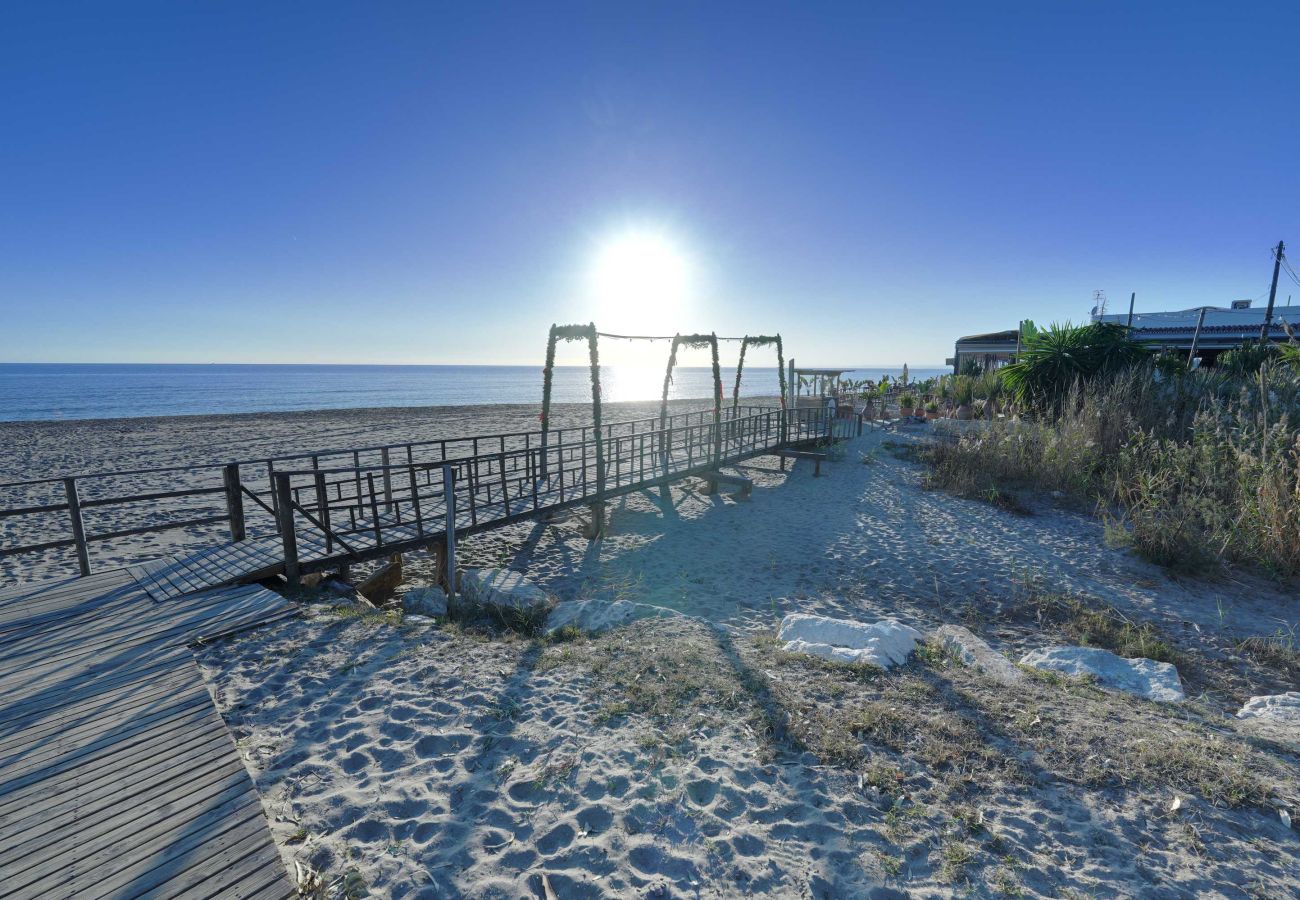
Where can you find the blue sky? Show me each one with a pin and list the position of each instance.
(435, 182)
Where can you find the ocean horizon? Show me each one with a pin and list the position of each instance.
(64, 391)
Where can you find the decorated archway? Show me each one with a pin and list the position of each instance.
(589, 333)
(592, 337)
(761, 340)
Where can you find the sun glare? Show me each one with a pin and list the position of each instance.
(640, 279)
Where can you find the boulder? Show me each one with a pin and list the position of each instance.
(885, 643)
(600, 615)
(425, 601)
(974, 652)
(1278, 709)
(383, 583)
(503, 590)
(1143, 677)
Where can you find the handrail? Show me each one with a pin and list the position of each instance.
(518, 474)
(307, 454)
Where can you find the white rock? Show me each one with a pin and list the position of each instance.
(974, 652)
(1144, 677)
(418, 620)
(600, 615)
(885, 643)
(504, 589)
(425, 601)
(1282, 709)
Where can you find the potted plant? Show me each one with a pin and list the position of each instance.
(868, 404)
(932, 409)
(963, 393)
(906, 404)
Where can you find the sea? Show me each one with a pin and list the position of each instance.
(43, 391)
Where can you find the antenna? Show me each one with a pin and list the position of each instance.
(1098, 303)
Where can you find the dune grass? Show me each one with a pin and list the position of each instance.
(1193, 471)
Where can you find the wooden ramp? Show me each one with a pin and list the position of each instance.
(117, 776)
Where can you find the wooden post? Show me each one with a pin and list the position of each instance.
(1196, 337)
(388, 480)
(449, 502)
(78, 527)
(234, 502)
(284, 497)
(323, 510)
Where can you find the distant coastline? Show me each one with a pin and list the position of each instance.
(32, 392)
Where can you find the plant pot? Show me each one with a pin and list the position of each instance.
(905, 411)
(964, 412)
(932, 413)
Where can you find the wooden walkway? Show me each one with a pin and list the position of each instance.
(118, 777)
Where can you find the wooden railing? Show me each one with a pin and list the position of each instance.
(242, 498)
(367, 512)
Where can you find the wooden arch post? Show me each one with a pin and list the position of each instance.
(694, 342)
(762, 340)
(592, 337)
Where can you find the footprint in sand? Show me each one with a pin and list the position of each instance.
(555, 840)
(368, 831)
(595, 819)
(432, 745)
(702, 791)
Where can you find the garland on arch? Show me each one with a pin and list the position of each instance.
(762, 340)
(692, 342)
(591, 336)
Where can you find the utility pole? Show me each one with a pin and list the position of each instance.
(1272, 293)
(1131, 300)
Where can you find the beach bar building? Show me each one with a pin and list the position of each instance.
(1209, 329)
(989, 351)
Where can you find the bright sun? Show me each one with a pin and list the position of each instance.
(640, 279)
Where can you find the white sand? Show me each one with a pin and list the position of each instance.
(442, 765)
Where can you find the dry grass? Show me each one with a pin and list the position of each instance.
(672, 672)
(931, 729)
(1091, 623)
(936, 723)
(1197, 470)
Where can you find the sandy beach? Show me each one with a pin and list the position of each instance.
(683, 756)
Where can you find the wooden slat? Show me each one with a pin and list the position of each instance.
(117, 776)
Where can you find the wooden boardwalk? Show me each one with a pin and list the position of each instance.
(118, 777)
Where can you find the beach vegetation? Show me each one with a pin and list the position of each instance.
(1193, 471)
(1052, 361)
(1091, 623)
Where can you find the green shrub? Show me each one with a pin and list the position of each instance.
(1247, 358)
(1053, 361)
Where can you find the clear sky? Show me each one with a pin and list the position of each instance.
(438, 182)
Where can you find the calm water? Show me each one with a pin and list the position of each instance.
(57, 391)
